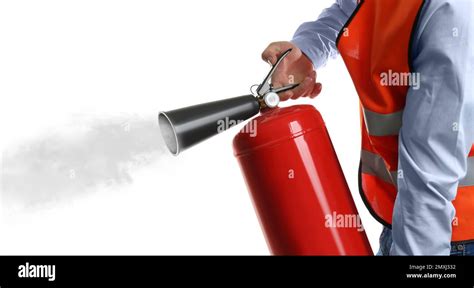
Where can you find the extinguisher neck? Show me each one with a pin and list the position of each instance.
(269, 100)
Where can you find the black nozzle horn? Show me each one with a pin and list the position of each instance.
(185, 127)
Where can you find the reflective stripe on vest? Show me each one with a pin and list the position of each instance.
(469, 179)
(378, 124)
(373, 164)
(376, 40)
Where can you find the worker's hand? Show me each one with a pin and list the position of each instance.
(295, 68)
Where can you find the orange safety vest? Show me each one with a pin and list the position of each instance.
(377, 39)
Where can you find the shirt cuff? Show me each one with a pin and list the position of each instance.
(316, 55)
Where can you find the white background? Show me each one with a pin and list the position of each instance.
(59, 58)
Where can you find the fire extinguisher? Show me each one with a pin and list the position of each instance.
(294, 178)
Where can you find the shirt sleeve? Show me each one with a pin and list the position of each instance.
(317, 39)
(437, 130)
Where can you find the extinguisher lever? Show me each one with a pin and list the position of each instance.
(284, 88)
(266, 86)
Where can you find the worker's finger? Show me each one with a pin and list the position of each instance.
(316, 90)
(303, 88)
(308, 91)
(285, 95)
(274, 50)
(315, 87)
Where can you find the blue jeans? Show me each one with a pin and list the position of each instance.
(457, 249)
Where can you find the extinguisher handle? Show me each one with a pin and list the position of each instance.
(266, 85)
(267, 95)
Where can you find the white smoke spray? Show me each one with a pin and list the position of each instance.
(70, 161)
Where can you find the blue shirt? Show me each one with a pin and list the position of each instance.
(438, 120)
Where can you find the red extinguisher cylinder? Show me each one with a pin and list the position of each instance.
(297, 186)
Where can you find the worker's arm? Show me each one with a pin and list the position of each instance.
(317, 39)
(437, 131)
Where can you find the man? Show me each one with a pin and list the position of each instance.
(412, 65)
